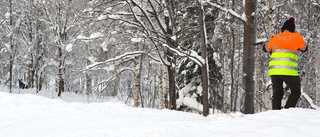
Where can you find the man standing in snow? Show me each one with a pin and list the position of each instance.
(283, 63)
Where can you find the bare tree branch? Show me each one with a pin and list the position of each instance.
(232, 12)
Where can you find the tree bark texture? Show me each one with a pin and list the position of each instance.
(161, 103)
(204, 67)
(11, 48)
(248, 56)
(136, 78)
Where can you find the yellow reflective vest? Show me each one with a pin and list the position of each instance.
(284, 59)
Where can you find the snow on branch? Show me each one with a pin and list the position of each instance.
(264, 40)
(310, 101)
(96, 88)
(261, 41)
(232, 12)
(93, 36)
(128, 54)
(145, 13)
(136, 17)
(191, 54)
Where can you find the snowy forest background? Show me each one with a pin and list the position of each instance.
(188, 55)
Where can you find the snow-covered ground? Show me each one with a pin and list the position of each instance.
(29, 115)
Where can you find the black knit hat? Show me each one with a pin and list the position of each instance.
(289, 25)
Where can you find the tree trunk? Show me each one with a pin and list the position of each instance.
(248, 56)
(314, 55)
(172, 89)
(31, 55)
(237, 90)
(171, 75)
(267, 91)
(38, 58)
(307, 86)
(238, 81)
(258, 67)
(88, 77)
(204, 67)
(225, 92)
(318, 67)
(30, 69)
(232, 99)
(62, 35)
(60, 72)
(161, 104)
(11, 48)
(169, 21)
(141, 86)
(165, 87)
(154, 91)
(137, 78)
(257, 79)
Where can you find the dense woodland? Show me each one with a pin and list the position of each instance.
(188, 55)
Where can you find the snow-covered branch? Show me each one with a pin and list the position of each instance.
(261, 41)
(137, 19)
(108, 81)
(96, 35)
(191, 54)
(3, 38)
(145, 13)
(116, 17)
(160, 24)
(128, 54)
(232, 12)
(310, 101)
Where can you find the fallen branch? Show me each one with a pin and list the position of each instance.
(309, 100)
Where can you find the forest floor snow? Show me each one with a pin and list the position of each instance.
(29, 115)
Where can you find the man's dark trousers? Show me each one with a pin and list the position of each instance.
(293, 82)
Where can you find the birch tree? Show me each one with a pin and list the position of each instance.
(160, 91)
(267, 91)
(225, 84)
(262, 86)
(233, 87)
(137, 76)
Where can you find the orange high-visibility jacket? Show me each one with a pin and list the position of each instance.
(284, 59)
